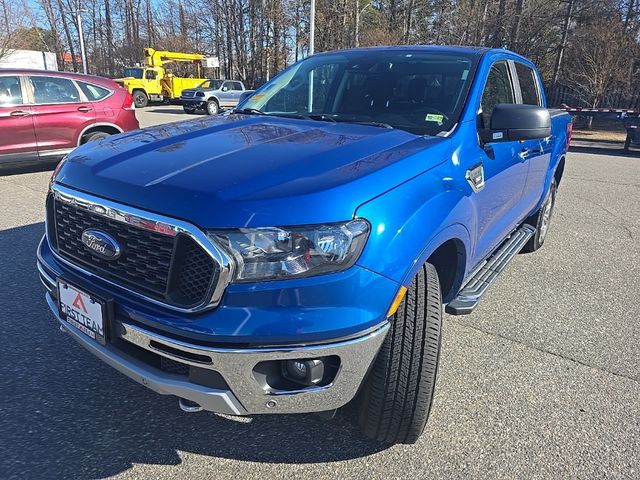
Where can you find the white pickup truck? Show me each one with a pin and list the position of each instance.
(213, 95)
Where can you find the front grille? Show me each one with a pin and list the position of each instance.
(174, 270)
(171, 366)
(188, 94)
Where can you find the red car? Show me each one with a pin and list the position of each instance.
(45, 114)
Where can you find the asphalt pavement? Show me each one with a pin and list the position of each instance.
(542, 381)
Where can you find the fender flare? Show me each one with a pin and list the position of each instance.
(213, 97)
(456, 232)
(98, 124)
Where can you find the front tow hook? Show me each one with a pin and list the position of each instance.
(189, 406)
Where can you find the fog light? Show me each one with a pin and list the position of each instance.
(305, 372)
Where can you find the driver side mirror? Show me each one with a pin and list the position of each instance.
(224, 89)
(515, 122)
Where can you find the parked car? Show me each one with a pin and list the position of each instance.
(213, 95)
(632, 125)
(44, 115)
(297, 255)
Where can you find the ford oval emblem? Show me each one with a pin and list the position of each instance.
(101, 244)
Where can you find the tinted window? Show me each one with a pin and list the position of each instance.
(216, 84)
(133, 72)
(417, 91)
(528, 85)
(93, 92)
(54, 90)
(497, 90)
(227, 85)
(236, 86)
(10, 92)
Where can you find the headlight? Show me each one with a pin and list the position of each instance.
(199, 94)
(278, 253)
(56, 170)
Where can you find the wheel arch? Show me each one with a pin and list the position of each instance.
(107, 127)
(448, 247)
(559, 171)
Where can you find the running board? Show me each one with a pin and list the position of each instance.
(469, 297)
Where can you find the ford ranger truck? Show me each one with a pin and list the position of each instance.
(298, 254)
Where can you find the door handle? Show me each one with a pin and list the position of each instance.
(524, 153)
(84, 109)
(19, 113)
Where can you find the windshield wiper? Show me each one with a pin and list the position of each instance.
(321, 117)
(372, 124)
(250, 111)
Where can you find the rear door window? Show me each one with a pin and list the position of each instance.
(54, 90)
(497, 90)
(93, 92)
(528, 84)
(10, 91)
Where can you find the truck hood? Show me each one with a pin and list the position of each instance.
(239, 170)
(200, 89)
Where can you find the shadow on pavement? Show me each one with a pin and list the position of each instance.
(172, 111)
(615, 150)
(67, 415)
(30, 168)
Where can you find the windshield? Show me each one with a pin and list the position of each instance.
(133, 72)
(420, 92)
(215, 84)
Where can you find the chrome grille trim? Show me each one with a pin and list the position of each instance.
(156, 223)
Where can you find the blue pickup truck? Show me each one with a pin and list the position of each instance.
(298, 253)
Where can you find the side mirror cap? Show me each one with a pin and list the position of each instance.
(515, 122)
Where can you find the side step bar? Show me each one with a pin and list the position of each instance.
(469, 297)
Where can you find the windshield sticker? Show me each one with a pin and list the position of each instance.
(432, 117)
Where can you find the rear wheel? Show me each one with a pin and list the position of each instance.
(542, 220)
(395, 400)
(212, 107)
(94, 136)
(140, 98)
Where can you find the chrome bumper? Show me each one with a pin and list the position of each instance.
(246, 395)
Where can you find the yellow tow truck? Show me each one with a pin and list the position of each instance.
(163, 77)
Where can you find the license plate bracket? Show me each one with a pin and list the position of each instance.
(83, 310)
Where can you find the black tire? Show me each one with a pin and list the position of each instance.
(395, 400)
(189, 109)
(627, 143)
(212, 107)
(140, 99)
(94, 136)
(541, 220)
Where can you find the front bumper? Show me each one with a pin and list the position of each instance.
(195, 102)
(242, 392)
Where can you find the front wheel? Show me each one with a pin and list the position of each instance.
(395, 400)
(140, 98)
(212, 107)
(188, 109)
(542, 220)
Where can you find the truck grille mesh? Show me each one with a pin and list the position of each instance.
(174, 270)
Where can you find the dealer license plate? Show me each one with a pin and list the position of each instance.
(82, 310)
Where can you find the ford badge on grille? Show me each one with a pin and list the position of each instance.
(101, 243)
